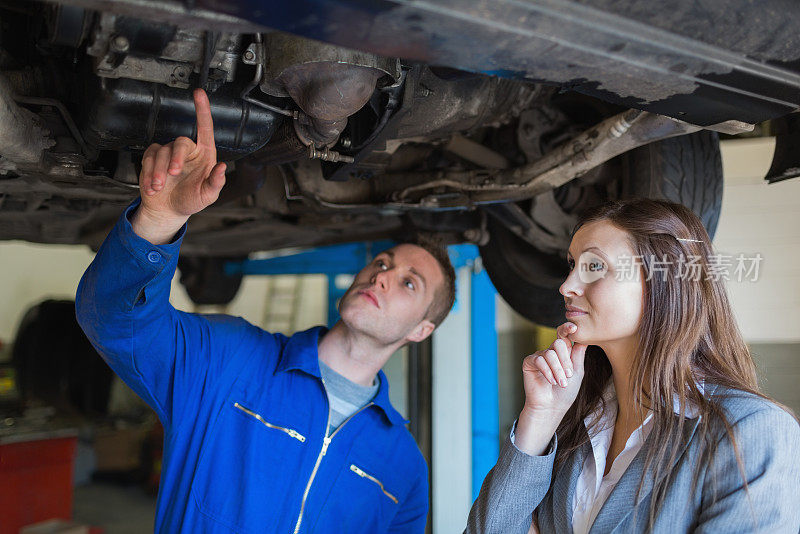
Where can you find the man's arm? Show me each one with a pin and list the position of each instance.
(122, 304)
(122, 301)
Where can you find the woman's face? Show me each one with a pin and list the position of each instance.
(605, 283)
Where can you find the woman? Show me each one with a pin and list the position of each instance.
(644, 415)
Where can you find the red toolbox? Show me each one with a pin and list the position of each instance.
(35, 478)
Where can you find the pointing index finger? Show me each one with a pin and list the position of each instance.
(205, 125)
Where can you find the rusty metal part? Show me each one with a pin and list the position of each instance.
(254, 55)
(328, 93)
(283, 147)
(327, 154)
(328, 83)
(287, 52)
(586, 151)
(257, 51)
(475, 152)
(159, 52)
(22, 141)
(434, 106)
(449, 190)
(301, 182)
(73, 128)
(294, 114)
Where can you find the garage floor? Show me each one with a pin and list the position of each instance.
(117, 509)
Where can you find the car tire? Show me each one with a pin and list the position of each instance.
(205, 279)
(685, 169)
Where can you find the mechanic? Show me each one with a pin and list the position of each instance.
(263, 433)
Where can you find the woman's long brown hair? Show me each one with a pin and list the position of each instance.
(687, 334)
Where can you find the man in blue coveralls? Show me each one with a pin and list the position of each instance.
(263, 433)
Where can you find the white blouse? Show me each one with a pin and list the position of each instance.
(593, 488)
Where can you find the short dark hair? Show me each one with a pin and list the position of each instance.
(444, 296)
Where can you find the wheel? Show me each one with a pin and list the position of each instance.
(56, 364)
(685, 169)
(206, 281)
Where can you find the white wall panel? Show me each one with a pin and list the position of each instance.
(452, 424)
(761, 218)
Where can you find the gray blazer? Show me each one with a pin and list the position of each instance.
(769, 444)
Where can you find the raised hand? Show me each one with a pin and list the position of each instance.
(552, 379)
(179, 179)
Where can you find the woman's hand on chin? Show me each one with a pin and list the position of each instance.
(552, 379)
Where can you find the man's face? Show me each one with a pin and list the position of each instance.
(389, 298)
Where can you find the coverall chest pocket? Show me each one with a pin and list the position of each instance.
(365, 497)
(249, 463)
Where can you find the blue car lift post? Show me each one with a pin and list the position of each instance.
(349, 259)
